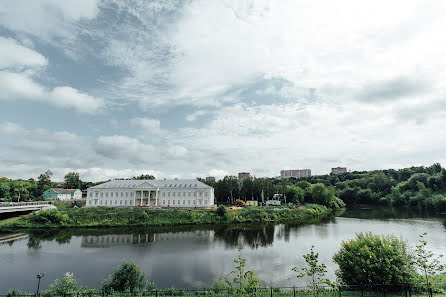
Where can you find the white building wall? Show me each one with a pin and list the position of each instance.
(177, 197)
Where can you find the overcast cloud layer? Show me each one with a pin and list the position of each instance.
(194, 88)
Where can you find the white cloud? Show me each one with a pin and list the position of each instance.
(148, 125)
(218, 173)
(268, 138)
(176, 151)
(14, 55)
(46, 18)
(19, 86)
(195, 115)
(124, 147)
(12, 129)
(69, 97)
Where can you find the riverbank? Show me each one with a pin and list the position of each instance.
(139, 217)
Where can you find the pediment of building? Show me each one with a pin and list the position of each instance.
(146, 185)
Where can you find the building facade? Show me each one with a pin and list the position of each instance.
(244, 175)
(162, 193)
(62, 194)
(295, 173)
(339, 170)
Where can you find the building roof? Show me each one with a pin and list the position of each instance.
(162, 184)
(64, 191)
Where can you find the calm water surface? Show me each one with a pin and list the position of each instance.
(193, 257)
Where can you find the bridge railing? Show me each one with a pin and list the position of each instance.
(15, 204)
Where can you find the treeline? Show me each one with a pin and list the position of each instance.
(229, 189)
(423, 187)
(31, 189)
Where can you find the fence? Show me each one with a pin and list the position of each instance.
(406, 290)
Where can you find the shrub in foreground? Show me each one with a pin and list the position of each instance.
(127, 277)
(372, 259)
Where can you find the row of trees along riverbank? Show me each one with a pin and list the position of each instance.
(369, 264)
(109, 216)
(422, 187)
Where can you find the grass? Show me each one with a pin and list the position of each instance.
(139, 217)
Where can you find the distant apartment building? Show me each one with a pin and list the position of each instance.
(339, 170)
(295, 173)
(210, 178)
(244, 175)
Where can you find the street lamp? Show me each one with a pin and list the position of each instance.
(39, 276)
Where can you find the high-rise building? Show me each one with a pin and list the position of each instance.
(244, 175)
(295, 173)
(210, 178)
(338, 170)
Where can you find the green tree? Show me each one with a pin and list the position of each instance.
(72, 181)
(243, 281)
(426, 262)
(372, 259)
(65, 286)
(314, 270)
(44, 181)
(127, 277)
(221, 211)
(295, 194)
(144, 176)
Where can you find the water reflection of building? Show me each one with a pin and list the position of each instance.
(142, 239)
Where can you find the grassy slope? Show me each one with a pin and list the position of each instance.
(104, 217)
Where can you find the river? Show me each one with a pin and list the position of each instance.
(193, 257)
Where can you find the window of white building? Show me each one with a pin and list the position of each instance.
(102, 194)
(184, 202)
(106, 194)
(189, 194)
(195, 194)
(116, 202)
(173, 194)
(188, 202)
(168, 202)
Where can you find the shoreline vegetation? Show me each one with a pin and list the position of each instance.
(394, 270)
(140, 217)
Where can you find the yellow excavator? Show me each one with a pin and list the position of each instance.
(240, 203)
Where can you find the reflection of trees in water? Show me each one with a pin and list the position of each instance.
(33, 243)
(379, 212)
(253, 236)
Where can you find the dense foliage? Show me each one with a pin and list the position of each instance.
(127, 278)
(423, 187)
(372, 259)
(109, 216)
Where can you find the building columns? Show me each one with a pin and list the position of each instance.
(142, 195)
(156, 197)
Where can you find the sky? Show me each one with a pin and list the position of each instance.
(182, 89)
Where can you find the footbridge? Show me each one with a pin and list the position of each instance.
(10, 207)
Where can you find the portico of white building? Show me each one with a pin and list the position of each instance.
(163, 193)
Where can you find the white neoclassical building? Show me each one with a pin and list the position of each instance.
(163, 193)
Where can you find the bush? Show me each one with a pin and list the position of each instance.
(13, 293)
(127, 277)
(372, 259)
(67, 285)
(52, 216)
(221, 211)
